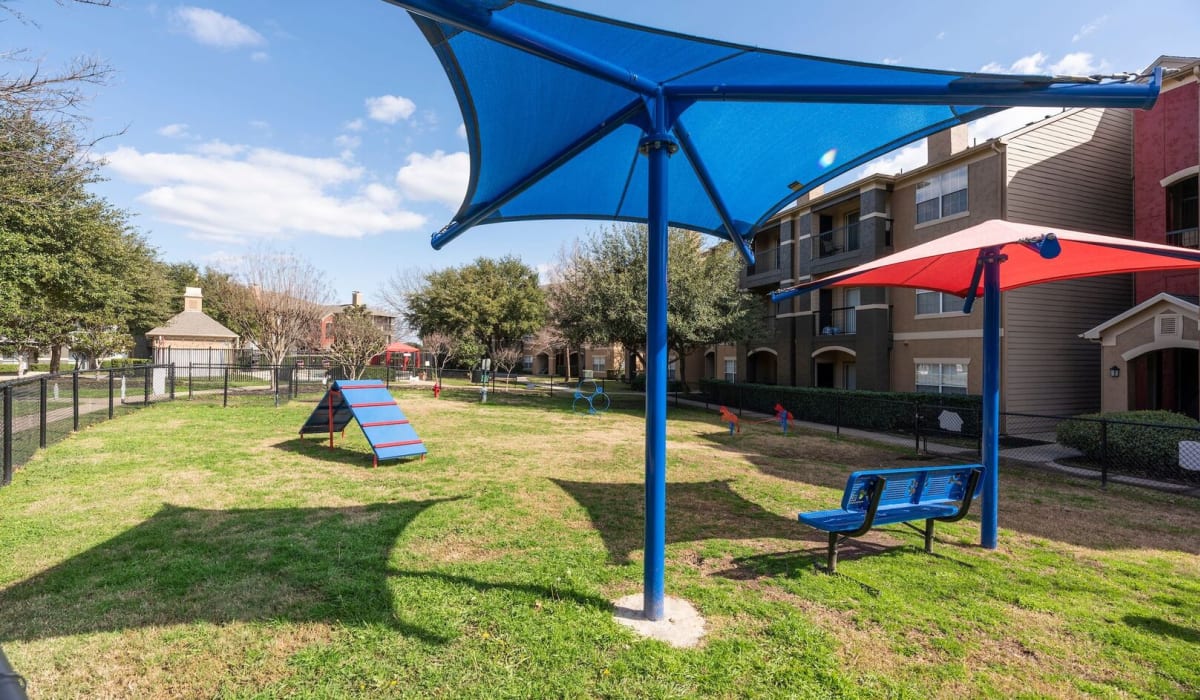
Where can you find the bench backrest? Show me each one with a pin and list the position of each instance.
(910, 486)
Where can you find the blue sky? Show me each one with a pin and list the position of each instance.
(329, 129)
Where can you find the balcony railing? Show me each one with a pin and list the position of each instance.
(838, 240)
(765, 260)
(1184, 238)
(838, 321)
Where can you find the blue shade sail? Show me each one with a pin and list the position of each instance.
(556, 101)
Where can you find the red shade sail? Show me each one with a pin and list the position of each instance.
(947, 264)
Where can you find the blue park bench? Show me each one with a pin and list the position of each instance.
(886, 496)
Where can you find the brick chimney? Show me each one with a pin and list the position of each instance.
(193, 300)
(946, 143)
(356, 298)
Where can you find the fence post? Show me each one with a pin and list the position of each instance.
(838, 414)
(171, 379)
(1103, 453)
(917, 427)
(7, 467)
(189, 381)
(75, 401)
(43, 406)
(225, 391)
(146, 377)
(551, 385)
(111, 373)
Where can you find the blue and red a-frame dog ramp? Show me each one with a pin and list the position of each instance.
(369, 402)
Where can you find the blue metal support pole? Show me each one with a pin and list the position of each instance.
(658, 148)
(991, 398)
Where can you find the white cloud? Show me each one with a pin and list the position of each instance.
(461, 131)
(347, 142)
(219, 148)
(911, 156)
(1079, 63)
(246, 194)
(941, 35)
(260, 57)
(355, 125)
(440, 177)
(212, 28)
(173, 131)
(1009, 120)
(390, 109)
(891, 61)
(1034, 63)
(1089, 28)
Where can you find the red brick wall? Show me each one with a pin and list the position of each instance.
(1165, 140)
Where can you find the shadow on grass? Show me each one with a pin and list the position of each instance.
(318, 449)
(1159, 626)
(533, 591)
(186, 565)
(699, 510)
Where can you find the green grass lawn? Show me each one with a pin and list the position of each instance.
(187, 550)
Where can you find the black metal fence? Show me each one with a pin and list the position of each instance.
(41, 410)
(1107, 449)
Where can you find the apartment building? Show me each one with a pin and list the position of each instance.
(1071, 170)
(1151, 352)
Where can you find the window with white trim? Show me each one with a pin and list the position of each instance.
(731, 369)
(942, 195)
(598, 362)
(942, 378)
(527, 363)
(937, 302)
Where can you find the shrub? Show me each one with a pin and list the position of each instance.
(119, 362)
(639, 384)
(1137, 441)
(888, 411)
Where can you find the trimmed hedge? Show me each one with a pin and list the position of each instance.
(123, 362)
(1138, 441)
(639, 384)
(888, 411)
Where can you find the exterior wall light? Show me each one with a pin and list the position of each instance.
(1114, 371)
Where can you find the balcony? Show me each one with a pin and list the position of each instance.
(837, 241)
(767, 270)
(838, 321)
(1184, 238)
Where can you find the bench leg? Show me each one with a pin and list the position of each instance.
(929, 536)
(833, 544)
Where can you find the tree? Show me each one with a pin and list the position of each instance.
(68, 259)
(441, 349)
(496, 302)
(395, 293)
(600, 293)
(356, 339)
(96, 342)
(506, 358)
(280, 304)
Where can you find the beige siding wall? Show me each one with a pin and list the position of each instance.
(190, 343)
(985, 177)
(1048, 368)
(1075, 173)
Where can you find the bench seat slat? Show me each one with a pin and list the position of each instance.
(848, 521)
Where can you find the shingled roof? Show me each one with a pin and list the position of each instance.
(192, 324)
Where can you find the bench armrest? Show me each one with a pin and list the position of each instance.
(968, 496)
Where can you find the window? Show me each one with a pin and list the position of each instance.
(672, 370)
(937, 303)
(852, 231)
(942, 378)
(852, 299)
(598, 364)
(730, 369)
(942, 195)
(527, 363)
(1183, 213)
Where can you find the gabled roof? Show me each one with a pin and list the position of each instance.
(192, 324)
(1186, 305)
